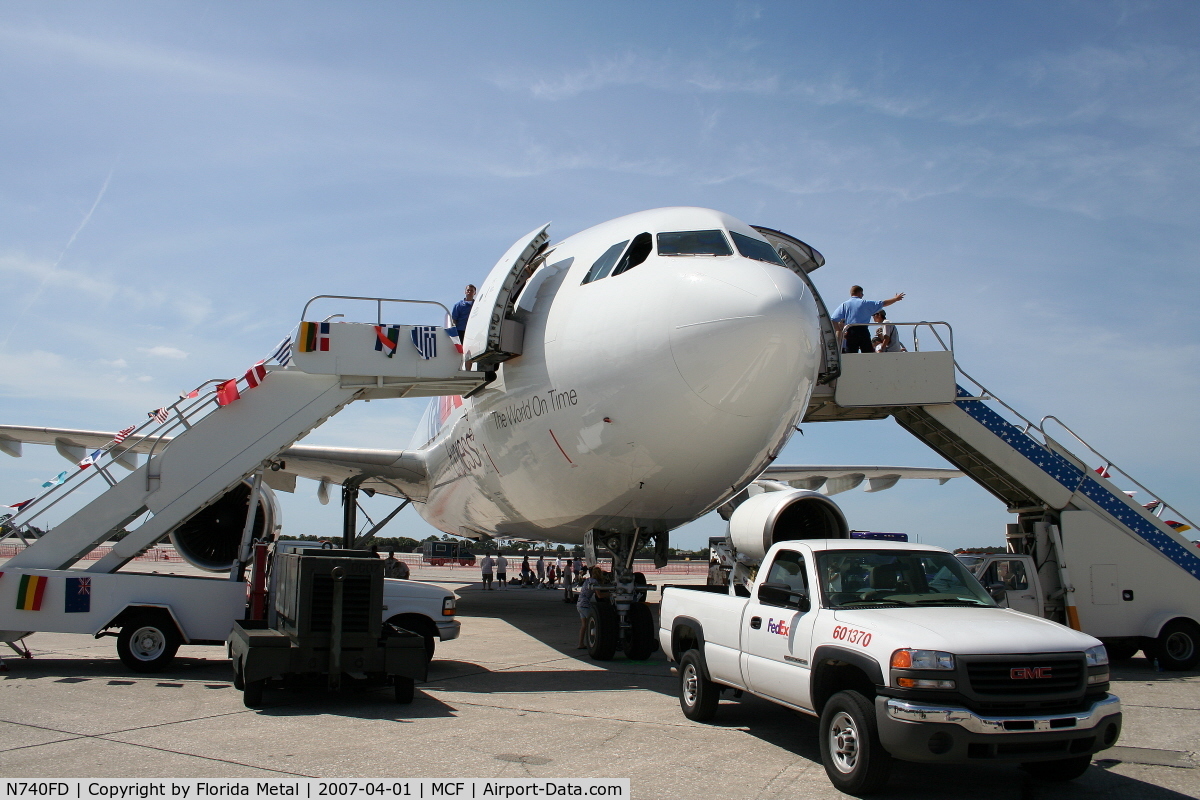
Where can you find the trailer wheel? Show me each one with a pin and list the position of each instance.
(1178, 645)
(148, 642)
(1064, 769)
(239, 680)
(405, 689)
(252, 694)
(641, 633)
(698, 696)
(601, 631)
(854, 759)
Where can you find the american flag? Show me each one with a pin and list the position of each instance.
(122, 435)
(159, 415)
(282, 353)
(424, 338)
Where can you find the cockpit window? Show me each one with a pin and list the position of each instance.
(693, 243)
(636, 254)
(756, 249)
(604, 263)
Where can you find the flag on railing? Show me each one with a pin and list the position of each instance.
(283, 352)
(424, 338)
(189, 395)
(55, 481)
(123, 434)
(255, 375)
(313, 337)
(159, 415)
(227, 392)
(1103, 472)
(21, 504)
(454, 340)
(1178, 526)
(387, 339)
(87, 462)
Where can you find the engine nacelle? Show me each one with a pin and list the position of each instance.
(211, 537)
(770, 517)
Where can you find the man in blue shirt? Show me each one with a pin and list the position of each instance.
(462, 310)
(858, 312)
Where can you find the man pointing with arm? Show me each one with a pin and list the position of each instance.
(857, 312)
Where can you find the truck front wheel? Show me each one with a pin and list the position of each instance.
(698, 696)
(147, 642)
(1064, 769)
(854, 760)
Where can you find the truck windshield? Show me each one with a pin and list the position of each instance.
(892, 578)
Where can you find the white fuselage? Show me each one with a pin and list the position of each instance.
(641, 400)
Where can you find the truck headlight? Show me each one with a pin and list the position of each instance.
(923, 659)
(1097, 661)
(448, 606)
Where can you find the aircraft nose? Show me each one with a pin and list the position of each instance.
(744, 335)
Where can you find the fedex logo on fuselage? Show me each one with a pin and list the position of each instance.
(779, 627)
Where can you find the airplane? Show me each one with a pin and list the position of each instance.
(641, 373)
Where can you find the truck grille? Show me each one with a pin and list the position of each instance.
(1027, 676)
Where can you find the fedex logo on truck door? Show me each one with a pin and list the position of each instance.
(780, 627)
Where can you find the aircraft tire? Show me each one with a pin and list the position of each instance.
(602, 630)
(147, 642)
(698, 696)
(851, 752)
(641, 629)
(1178, 645)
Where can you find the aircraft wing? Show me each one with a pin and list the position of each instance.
(831, 480)
(398, 473)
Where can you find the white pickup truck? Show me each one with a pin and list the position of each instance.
(900, 652)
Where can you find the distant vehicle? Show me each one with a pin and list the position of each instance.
(439, 554)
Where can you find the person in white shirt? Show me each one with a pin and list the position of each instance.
(502, 570)
(486, 565)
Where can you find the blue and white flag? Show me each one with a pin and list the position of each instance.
(92, 459)
(424, 338)
(55, 481)
(283, 352)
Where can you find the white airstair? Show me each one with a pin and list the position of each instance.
(1130, 571)
(203, 445)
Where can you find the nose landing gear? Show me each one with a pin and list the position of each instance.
(622, 621)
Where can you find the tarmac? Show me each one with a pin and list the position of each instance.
(511, 698)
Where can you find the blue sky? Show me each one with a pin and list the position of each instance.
(179, 178)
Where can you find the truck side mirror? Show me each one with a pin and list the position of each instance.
(780, 594)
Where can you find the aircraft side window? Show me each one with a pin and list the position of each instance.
(788, 569)
(756, 249)
(604, 263)
(693, 243)
(636, 254)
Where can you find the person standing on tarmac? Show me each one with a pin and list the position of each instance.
(856, 312)
(486, 565)
(541, 571)
(502, 570)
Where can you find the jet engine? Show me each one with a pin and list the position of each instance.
(764, 519)
(210, 538)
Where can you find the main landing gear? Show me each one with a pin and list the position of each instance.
(622, 620)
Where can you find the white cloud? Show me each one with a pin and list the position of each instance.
(163, 351)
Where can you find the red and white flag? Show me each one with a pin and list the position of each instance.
(255, 375)
(227, 392)
(159, 414)
(122, 435)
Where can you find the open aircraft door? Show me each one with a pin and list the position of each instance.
(491, 337)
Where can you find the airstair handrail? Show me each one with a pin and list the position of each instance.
(1110, 465)
(379, 301)
(916, 326)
